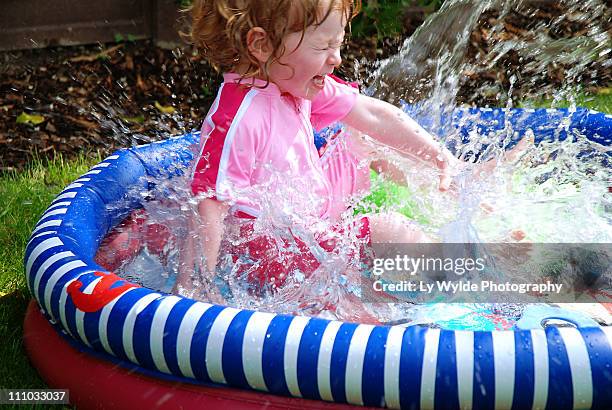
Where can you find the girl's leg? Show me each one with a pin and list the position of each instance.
(187, 260)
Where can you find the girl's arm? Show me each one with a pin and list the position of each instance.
(391, 126)
(210, 231)
(212, 214)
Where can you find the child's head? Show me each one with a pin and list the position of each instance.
(292, 43)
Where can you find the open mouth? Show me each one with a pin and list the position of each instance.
(319, 80)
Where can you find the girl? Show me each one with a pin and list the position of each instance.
(258, 170)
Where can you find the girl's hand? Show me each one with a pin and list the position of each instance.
(449, 166)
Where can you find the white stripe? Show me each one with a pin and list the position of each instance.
(428, 374)
(156, 337)
(354, 364)
(101, 165)
(55, 222)
(540, 368)
(464, 349)
(208, 119)
(392, 366)
(38, 250)
(80, 323)
(608, 332)
(503, 358)
(103, 322)
(252, 349)
(65, 195)
(222, 186)
(83, 180)
(55, 277)
(185, 334)
(130, 322)
(38, 236)
(92, 172)
(43, 268)
(74, 185)
(111, 157)
(214, 345)
(290, 356)
(324, 360)
(60, 211)
(80, 315)
(59, 204)
(580, 366)
(247, 210)
(213, 110)
(62, 306)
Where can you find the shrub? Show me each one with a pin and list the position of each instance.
(384, 18)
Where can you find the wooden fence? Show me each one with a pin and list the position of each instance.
(42, 23)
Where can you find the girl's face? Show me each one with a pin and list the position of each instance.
(301, 72)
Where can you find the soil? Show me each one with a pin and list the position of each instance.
(106, 96)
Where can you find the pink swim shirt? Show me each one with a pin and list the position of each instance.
(257, 146)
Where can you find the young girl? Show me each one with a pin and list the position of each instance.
(259, 171)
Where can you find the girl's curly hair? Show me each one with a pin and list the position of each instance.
(219, 27)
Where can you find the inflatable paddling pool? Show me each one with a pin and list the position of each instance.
(116, 344)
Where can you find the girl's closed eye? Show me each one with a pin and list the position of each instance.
(330, 47)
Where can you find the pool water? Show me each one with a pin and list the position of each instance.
(158, 270)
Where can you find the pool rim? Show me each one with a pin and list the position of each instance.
(62, 248)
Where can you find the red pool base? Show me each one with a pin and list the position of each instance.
(98, 384)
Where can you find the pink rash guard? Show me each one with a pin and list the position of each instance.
(257, 141)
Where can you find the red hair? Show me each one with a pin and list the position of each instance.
(219, 27)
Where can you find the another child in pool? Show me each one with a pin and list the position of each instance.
(258, 165)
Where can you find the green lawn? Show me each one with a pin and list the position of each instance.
(25, 196)
(601, 101)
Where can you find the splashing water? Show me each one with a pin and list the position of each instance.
(557, 191)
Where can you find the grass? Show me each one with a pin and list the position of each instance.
(599, 101)
(25, 195)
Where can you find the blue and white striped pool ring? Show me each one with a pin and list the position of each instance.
(415, 367)
(546, 124)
